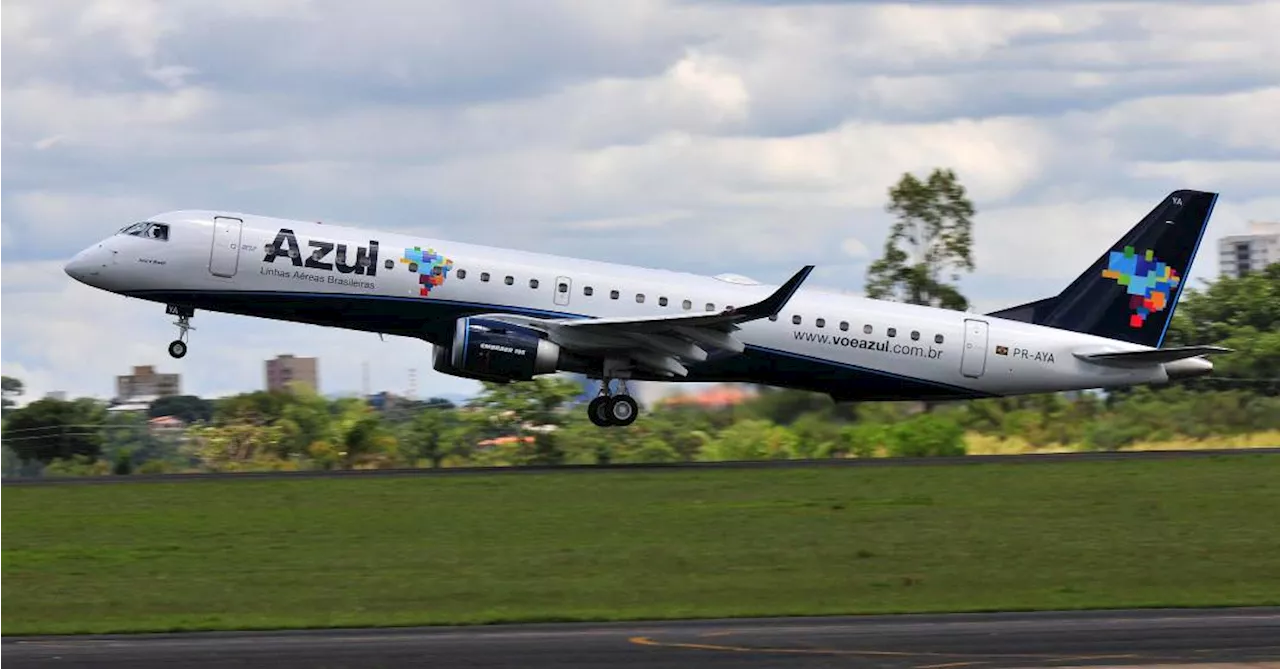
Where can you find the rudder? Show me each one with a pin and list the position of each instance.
(1130, 292)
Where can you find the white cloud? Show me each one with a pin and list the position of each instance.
(1237, 175)
(854, 248)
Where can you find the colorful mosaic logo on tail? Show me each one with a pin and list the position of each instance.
(432, 268)
(1149, 282)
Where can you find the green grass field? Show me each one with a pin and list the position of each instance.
(622, 545)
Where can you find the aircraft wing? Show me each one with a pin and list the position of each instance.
(663, 344)
(1151, 357)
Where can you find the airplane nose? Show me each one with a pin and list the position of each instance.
(76, 267)
(84, 265)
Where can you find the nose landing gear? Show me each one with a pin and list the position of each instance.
(178, 347)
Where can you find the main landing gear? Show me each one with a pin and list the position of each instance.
(178, 347)
(609, 410)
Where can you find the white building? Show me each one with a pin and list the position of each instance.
(1241, 254)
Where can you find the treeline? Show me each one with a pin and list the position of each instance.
(531, 423)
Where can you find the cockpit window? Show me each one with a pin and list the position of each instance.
(147, 229)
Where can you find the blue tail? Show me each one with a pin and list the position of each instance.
(1130, 292)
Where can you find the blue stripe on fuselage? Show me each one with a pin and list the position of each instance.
(433, 320)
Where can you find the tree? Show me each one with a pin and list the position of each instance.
(12, 388)
(1242, 314)
(187, 408)
(513, 407)
(50, 429)
(932, 236)
(430, 436)
(8, 386)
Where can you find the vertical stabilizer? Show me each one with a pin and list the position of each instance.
(1130, 292)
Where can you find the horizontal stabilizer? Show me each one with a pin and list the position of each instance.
(1145, 358)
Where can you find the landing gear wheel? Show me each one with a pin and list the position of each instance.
(178, 347)
(623, 410)
(598, 412)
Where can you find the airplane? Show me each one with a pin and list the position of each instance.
(506, 316)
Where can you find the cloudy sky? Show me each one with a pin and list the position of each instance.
(708, 136)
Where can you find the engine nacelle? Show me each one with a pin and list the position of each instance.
(491, 350)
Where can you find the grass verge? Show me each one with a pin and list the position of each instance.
(624, 545)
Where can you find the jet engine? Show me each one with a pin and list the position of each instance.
(492, 350)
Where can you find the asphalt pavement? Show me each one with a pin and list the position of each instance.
(1242, 637)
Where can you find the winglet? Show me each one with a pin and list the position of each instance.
(770, 306)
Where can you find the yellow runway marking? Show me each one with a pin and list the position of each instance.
(971, 657)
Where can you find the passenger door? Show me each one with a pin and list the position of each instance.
(224, 255)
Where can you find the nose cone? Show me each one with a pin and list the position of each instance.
(86, 265)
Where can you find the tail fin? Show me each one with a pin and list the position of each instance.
(1130, 292)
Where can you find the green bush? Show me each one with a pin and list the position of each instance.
(927, 435)
(1113, 434)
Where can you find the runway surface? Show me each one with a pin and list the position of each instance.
(953, 641)
(672, 466)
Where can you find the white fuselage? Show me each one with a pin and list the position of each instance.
(208, 262)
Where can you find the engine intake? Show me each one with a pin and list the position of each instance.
(492, 350)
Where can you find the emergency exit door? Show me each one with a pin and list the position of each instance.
(973, 361)
(224, 256)
(564, 286)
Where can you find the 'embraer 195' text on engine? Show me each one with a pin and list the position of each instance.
(286, 245)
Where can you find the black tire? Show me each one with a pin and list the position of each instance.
(177, 348)
(623, 410)
(598, 412)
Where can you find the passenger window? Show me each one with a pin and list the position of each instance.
(711, 307)
(796, 319)
(509, 280)
(462, 274)
(640, 298)
(413, 267)
(937, 339)
(662, 301)
(533, 283)
(774, 317)
(687, 305)
(893, 332)
(866, 329)
(484, 276)
(389, 264)
(613, 294)
(586, 290)
(844, 326)
(821, 322)
(915, 335)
